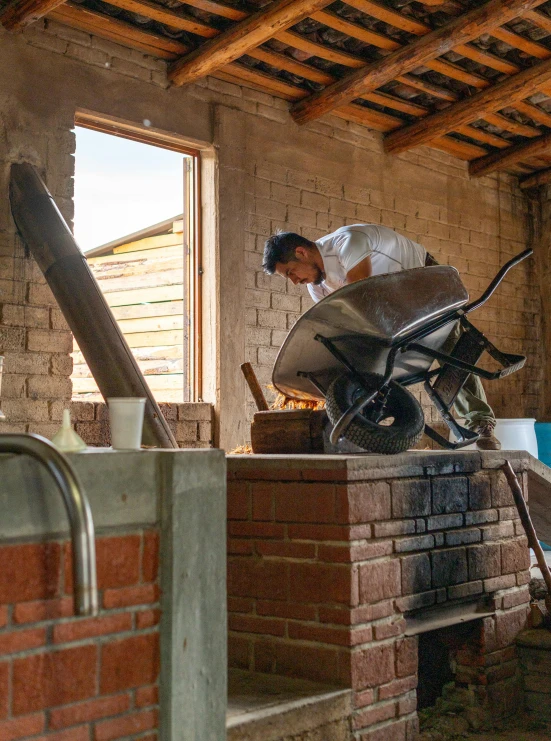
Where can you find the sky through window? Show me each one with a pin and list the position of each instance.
(122, 186)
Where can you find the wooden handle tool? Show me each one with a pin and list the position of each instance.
(528, 526)
(256, 390)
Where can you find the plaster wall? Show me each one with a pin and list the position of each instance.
(269, 174)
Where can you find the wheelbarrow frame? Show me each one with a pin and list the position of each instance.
(447, 380)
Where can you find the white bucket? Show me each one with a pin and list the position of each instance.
(513, 434)
(517, 434)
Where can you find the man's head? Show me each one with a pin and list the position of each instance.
(293, 257)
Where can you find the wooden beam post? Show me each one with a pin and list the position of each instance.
(501, 160)
(21, 13)
(434, 44)
(238, 40)
(504, 93)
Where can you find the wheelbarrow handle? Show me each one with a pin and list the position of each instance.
(497, 280)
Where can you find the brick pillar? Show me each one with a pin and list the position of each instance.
(325, 564)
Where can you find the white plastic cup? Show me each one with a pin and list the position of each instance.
(126, 420)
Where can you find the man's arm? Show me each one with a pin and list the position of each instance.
(362, 270)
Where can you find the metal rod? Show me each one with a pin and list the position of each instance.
(338, 355)
(526, 520)
(347, 418)
(85, 595)
(456, 314)
(497, 280)
(79, 296)
(450, 360)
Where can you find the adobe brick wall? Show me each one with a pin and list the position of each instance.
(272, 174)
(69, 679)
(191, 423)
(326, 559)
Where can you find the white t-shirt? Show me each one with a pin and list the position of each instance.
(345, 248)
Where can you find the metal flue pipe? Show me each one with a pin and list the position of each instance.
(85, 596)
(79, 296)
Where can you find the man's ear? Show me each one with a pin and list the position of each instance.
(301, 253)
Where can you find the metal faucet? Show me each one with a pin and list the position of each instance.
(85, 598)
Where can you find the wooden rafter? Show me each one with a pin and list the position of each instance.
(20, 13)
(450, 130)
(241, 38)
(460, 31)
(513, 155)
(538, 178)
(487, 101)
(217, 8)
(169, 17)
(116, 30)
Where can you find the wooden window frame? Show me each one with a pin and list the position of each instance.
(193, 252)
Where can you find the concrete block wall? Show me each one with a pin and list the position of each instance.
(71, 680)
(326, 561)
(534, 648)
(476, 239)
(190, 423)
(273, 175)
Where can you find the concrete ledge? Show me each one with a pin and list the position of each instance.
(123, 489)
(263, 707)
(370, 467)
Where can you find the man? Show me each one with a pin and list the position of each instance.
(355, 252)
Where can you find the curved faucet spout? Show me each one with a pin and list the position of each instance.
(78, 510)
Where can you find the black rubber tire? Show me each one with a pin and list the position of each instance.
(403, 433)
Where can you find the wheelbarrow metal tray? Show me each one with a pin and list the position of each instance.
(368, 317)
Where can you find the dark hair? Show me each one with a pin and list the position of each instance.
(281, 248)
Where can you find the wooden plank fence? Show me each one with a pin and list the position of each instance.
(143, 282)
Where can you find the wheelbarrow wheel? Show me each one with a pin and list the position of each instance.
(384, 426)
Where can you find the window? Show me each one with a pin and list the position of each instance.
(137, 196)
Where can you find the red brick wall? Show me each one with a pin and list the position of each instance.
(68, 679)
(322, 570)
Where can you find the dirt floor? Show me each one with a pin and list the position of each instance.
(520, 728)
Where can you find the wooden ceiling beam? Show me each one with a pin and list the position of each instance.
(532, 111)
(538, 178)
(296, 41)
(501, 95)
(169, 17)
(426, 87)
(332, 20)
(489, 60)
(512, 156)
(226, 11)
(519, 42)
(460, 31)
(116, 30)
(538, 19)
(508, 124)
(241, 38)
(288, 64)
(385, 14)
(21, 13)
(462, 150)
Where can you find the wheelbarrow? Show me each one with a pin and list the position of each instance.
(363, 345)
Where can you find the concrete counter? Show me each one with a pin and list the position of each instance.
(160, 521)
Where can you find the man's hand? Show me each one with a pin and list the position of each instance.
(362, 270)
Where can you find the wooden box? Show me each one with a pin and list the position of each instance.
(288, 431)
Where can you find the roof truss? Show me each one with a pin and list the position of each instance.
(476, 84)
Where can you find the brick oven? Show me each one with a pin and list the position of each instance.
(391, 576)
